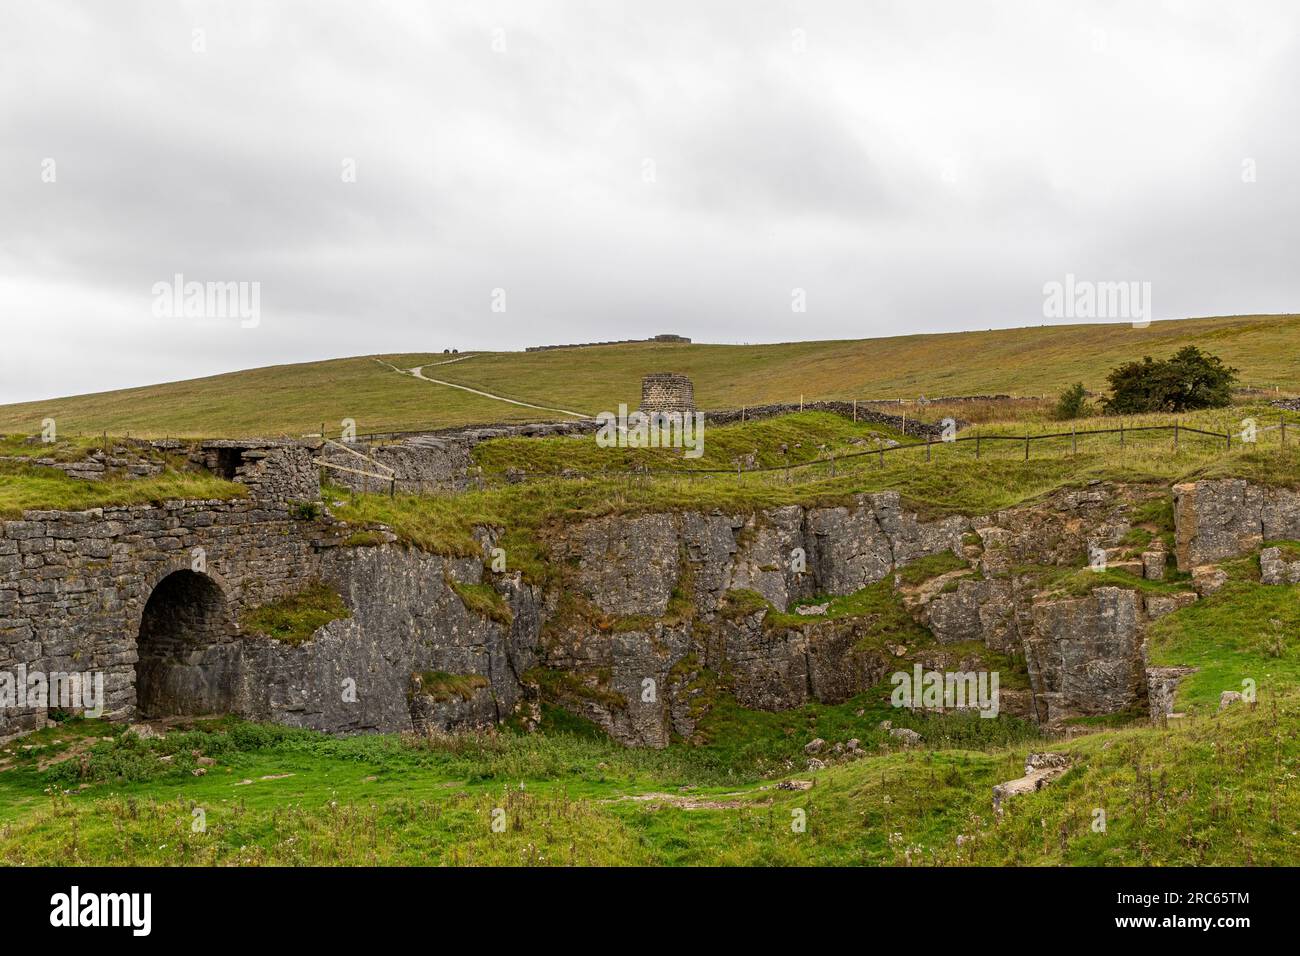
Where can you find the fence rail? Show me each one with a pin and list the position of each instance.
(1026, 440)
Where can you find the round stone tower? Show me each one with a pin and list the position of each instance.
(667, 392)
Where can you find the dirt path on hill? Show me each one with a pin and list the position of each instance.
(418, 372)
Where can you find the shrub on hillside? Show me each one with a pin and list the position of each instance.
(1189, 380)
(1073, 403)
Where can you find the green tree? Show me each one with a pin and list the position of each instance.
(1073, 403)
(1189, 380)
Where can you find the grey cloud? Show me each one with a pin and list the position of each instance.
(477, 169)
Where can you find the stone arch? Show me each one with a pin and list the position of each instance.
(187, 659)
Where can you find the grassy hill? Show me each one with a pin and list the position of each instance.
(1212, 790)
(297, 399)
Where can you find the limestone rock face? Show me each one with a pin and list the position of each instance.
(405, 620)
(1059, 532)
(625, 565)
(769, 550)
(1086, 654)
(655, 611)
(848, 550)
(976, 610)
(1228, 518)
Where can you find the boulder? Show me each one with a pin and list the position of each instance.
(1274, 569)
(1040, 770)
(1158, 605)
(1153, 565)
(910, 738)
(1207, 579)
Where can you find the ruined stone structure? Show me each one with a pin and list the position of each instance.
(283, 470)
(439, 461)
(649, 615)
(667, 392)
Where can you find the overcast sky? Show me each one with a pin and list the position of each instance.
(623, 169)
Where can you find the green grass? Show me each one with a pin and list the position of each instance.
(931, 566)
(790, 439)
(297, 399)
(26, 487)
(877, 607)
(951, 482)
(1204, 791)
(1208, 789)
(294, 619)
(1246, 631)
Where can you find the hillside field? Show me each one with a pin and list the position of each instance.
(299, 399)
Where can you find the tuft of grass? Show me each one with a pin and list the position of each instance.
(561, 687)
(930, 566)
(294, 619)
(442, 686)
(484, 600)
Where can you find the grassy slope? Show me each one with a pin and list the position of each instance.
(295, 399)
(1214, 790)
(951, 483)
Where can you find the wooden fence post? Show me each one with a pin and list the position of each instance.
(1121, 434)
(855, 411)
(927, 447)
(1175, 435)
(1074, 442)
(1026, 448)
(977, 447)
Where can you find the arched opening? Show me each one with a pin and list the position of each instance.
(186, 659)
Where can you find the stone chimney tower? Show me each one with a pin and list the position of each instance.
(667, 392)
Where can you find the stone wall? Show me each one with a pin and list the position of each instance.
(74, 585)
(432, 463)
(118, 461)
(272, 470)
(153, 598)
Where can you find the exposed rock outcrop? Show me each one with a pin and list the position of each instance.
(654, 614)
(1228, 518)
